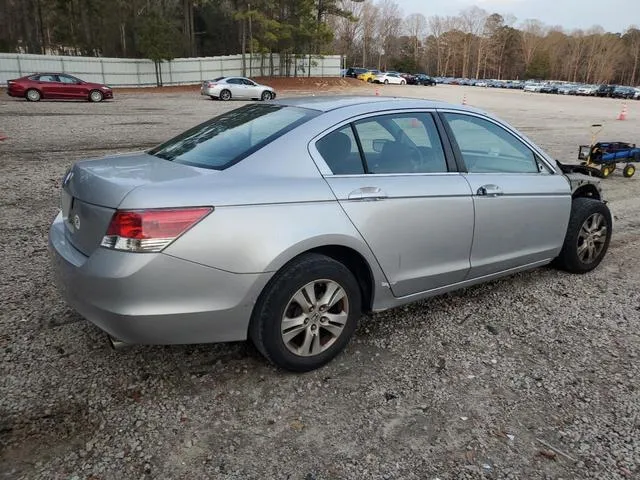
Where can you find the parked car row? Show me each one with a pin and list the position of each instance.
(561, 88)
(373, 75)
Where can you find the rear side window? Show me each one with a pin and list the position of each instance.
(340, 150)
(227, 139)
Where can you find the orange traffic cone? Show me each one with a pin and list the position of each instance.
(623, 114)
(464, 100)
(377, 92)
(3, 137)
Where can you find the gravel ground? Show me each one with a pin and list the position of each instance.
(535, 376)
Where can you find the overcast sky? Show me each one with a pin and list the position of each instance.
(612, 15)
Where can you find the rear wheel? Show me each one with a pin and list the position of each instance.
(225, 95)
(588, 236)
(402, 82)
(307, 313)
(386, 82)
(266, 95)
(33, 95)
(629, 170)
(95, 96)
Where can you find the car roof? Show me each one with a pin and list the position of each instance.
(329, 103)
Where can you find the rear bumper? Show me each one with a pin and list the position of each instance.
(153, 298)
(212, 92)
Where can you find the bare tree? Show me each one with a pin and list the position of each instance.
(416, 25)
(632, 40)
(472, 20)
(389, 28)
(532, 35)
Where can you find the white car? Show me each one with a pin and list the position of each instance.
(636, 95)
(482, 83)
(587, 90)
(533, 87)
(387, 78)
(226, 88)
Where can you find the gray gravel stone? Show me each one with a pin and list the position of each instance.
(563, 367)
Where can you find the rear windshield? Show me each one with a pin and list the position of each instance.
(225, 140)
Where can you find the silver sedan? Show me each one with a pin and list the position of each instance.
(283, 221)
(226, 88)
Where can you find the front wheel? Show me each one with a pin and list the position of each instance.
(266, 95)
(95, 96)
(307, 313)
(386, 82)
(588, 236)
(402, 82)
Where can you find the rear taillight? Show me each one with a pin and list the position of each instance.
(210, 84)
(150, 230)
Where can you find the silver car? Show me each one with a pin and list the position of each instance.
(226, 88)
(283, 221)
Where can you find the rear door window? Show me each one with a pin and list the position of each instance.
(232, 136)
(401, 143)
(47, 78)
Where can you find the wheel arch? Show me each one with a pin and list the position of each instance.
(363, 266)
(587, 191)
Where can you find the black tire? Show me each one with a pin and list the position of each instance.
(266, 95)
(582, 210)
(628, 170)
(386, 82)
(33, 95)
(369, 80)
(266, 321)
(212, 97)
(95, 96)
(225, 95)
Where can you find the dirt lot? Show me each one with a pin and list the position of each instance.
(469, 385)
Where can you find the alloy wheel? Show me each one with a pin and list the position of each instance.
(314, 318)
(592, 238)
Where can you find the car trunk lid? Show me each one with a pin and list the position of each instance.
(93, 189)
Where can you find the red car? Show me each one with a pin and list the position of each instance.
(57, 86)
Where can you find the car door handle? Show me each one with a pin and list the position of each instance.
(489, 191)
(368, 194)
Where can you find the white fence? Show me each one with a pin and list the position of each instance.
(126, 72)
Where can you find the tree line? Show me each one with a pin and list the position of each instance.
(369, 33)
